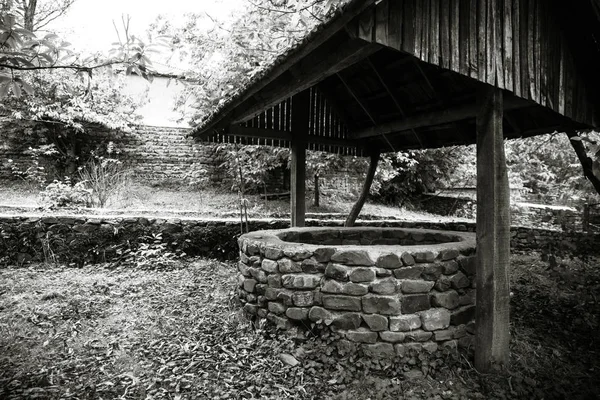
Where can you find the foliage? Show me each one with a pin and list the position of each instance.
(104, 176)
(175, 332)
(35, 174)
(66, 194)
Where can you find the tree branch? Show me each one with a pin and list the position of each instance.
(584, 159)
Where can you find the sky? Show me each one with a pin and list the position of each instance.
(89, 23)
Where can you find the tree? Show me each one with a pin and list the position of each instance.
(589, 156)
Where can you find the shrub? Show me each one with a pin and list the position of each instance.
(65, 194)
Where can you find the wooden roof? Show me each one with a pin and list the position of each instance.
(404, 74)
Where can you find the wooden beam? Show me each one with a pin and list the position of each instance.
(375, 155)
(493, 236)
(433, 118)
(356, 98)
(317, 39)
(300, 126)
(325, 62)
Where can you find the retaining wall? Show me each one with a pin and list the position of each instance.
(89, 239)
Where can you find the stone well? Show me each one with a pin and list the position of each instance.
(389, 289)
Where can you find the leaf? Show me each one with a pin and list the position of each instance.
(16, 88)
(576, 138)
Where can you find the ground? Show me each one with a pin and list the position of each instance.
(176, 332)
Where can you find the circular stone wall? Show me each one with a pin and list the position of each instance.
(390, 289)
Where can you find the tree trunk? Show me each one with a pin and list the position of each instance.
(317, 194)
(29, 14)
(365, 190)
(586, 162)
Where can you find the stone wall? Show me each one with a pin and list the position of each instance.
(389, 299)
(89, 239)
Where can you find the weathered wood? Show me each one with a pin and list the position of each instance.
(516, 47)
(409, 31)
(508, 47)
(300, 117)
(455, 48)
(358, 100)
(473, 57)
(395, 24)
(351, 219)
(307, 73)
(274, 134)
(434, 118)
(445, 34)
(434, 32)
(482, 40)
(382, 23)
(493, 236)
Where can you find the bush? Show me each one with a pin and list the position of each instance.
(64, 194)
(103, 177)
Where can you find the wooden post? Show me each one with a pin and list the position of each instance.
(365, 190)
(317, 191)
(586, 217)
(300, 119)
(493, 235)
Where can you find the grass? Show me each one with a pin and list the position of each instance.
(177, 333)
(181, 200)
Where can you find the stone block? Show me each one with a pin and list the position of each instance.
(311, 266)
(448, 254)
(382, 272)
(413, 303)
(449, 267)
(285, 296)
(468, 298)
(462, 315)
(389, 261)
(418, 335)
(376, 322)
(303, 299)
(352, 257)
(344, 303)
(412, 287)
(413, 347)
(280, 322)
(287, 266)
(443, 335)
(303, 281)
(376, 304)
(260, 289)
(432, 272)
(319, 314)
(449, 300)
(251, 308)
(269, 266)
(450, 344)
(337, 272)
(351, 288)
(249, 285)
(430, 347)
(297, 314)
(259, 275)
(323, 254)
(407, 259)
(468, 265)
(443, 284)
(408, 272)
(460, 281)
(274, 281)
(393, 337)
(360, 335)
(298, 254)
(361, 274)
(244, 270)
(424, 256)
(404, 323)
(346, 320)
(384, 286)
(466, 342)
(273, 253)
(435, 319)
(378, 350)
(276, 308)
(400, 350)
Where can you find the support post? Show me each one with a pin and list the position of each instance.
(300, 119)
(365, 190)
(493, 235)
(317, 191)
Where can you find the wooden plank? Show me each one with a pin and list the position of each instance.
(498, 18)
(569, 86)
(359, 101)
(301, 110)
(516, 47)
(445, 34)
(508, 47)
(382, 22)
(374, 160)
(426, 30)
(481, 40)
(366, 25)
(455, 60)
(395, 25)
(538, 51)
(490, 47)
(531, 51)
(433, 118)
(466, 41)
(409, 27)
(434, 32)
(418, 28)
(561, 79)
(524, 47)
(493, 237)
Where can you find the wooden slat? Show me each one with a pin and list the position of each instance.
(516, 47)
(507, 59)
(444, 34)
(531, 50)
(455, 36)
(481, 39)
(366, 23)
(418, 28)
(561, 79)
(395, 24)
(538, 54)
(382, 22)
(434, 32)
(409, 28)
(491, 50)
(524, 44)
